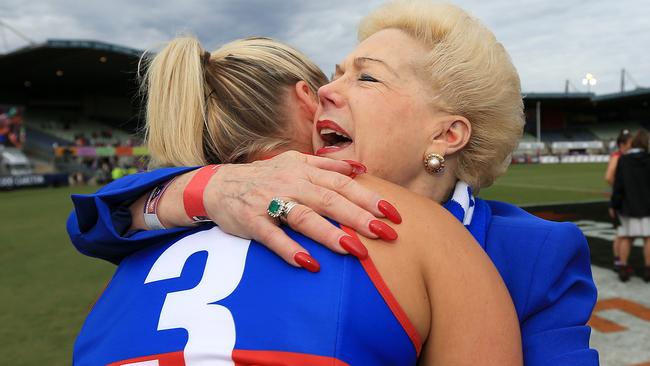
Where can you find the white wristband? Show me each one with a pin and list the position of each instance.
(153, 222)
(151, 207)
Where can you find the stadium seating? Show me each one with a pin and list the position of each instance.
(568, 134)
(66, 127)
(610, 131)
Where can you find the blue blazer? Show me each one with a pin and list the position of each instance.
(544, 264)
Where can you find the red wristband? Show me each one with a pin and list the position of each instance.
(193, 193)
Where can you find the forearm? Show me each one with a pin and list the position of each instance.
(170, 210)
(92, 226)
(611, 170)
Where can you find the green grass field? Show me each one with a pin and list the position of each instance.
(542, 184)
(46, 287)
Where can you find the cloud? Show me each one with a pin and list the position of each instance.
(549, 41)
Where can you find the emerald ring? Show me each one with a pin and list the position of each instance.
(280, 208)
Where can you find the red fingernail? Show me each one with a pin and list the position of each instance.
(357, 168)
(307, 262)
(353, 246)
(389, 211)
(382, 230)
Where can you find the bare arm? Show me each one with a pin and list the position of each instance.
(473, 320)
(447, 285)
(611, 170)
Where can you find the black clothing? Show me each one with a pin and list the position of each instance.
(631, 193)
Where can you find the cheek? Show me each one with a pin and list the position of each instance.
(393, 146)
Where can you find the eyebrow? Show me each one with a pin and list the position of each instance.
(359, 61)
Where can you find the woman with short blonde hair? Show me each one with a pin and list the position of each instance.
(469, 74)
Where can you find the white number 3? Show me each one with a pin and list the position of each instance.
(210, 327)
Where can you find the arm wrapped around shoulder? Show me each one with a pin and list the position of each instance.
(561, 299)
(97, 224)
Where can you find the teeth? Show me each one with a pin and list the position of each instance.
(325, 131)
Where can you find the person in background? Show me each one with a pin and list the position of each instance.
(4, 128)
(622, 144)
(631, 200)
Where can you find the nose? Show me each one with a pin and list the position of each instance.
(330, 96)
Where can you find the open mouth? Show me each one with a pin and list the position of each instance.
(334, 137)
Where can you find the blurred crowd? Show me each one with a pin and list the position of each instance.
(12, 132)
(104, 170)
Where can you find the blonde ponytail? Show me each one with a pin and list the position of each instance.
(223, 108)
(175, 115)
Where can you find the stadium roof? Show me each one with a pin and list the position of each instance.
(632, 94)
(558, 95)
(59, 67)
(632, 98)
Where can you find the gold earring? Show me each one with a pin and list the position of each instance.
(434, 163)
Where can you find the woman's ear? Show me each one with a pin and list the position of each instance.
(455, 133)
(306, 98)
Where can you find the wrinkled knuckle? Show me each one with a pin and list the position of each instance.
(299, 216)
(328, 198)
(342, 182)
(266, 236)
(291, 154)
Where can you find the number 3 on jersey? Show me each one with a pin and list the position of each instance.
(210, 327)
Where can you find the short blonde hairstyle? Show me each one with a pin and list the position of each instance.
(471, 75)
(221, 107)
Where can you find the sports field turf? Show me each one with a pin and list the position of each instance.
(543, 184)
(46, 287)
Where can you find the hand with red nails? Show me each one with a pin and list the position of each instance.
(236, 198)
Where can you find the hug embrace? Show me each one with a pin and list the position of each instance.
(289, 219)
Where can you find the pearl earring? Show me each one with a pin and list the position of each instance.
(434, 163)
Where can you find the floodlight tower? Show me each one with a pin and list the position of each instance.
(589, 80)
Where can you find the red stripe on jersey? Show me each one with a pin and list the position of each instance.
(164, 359)
(388, 296)
(244, 358)
(277, 358)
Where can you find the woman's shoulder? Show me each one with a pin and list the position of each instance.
(515, 221)
(503, 211)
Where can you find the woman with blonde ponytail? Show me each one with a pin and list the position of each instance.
(202, 295)
(194, 95)
(175, 89)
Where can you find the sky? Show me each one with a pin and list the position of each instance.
(549, 41)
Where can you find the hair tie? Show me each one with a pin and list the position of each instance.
(206, 58)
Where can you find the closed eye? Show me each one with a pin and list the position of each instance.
(366, 77)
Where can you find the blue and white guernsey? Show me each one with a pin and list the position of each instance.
(209, 298)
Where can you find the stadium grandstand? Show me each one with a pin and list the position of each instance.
(579, 127)
(79, 105)
(81, 112)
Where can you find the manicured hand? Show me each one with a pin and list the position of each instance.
(237, 197)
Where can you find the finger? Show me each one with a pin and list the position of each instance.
(307, 222)
(348, 188)
(353, 204)
(276, 240)
(338, 166)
